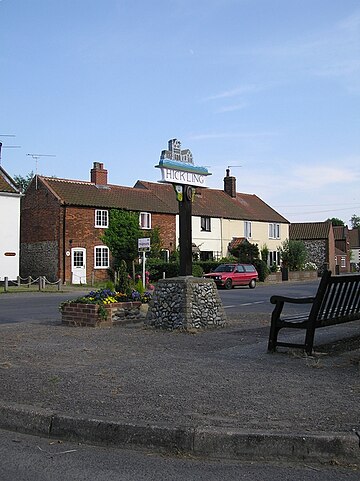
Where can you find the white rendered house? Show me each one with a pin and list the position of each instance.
(10, 227)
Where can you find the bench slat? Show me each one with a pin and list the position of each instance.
(337, 301)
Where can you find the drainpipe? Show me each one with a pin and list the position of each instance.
(64, 244)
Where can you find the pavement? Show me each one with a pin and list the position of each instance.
(211, 393)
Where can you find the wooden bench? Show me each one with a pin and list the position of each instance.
(337, 301)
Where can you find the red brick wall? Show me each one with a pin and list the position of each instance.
(40, 215)
(80, 231)
(167, 226)
(42, 222)
(78, 314)
(332, 262)
(40, 233)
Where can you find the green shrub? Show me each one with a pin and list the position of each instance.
(197, 270)
(262, 269)
(208, 266)
(157, 267)
(123, 283)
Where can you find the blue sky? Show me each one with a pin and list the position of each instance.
(271, 87)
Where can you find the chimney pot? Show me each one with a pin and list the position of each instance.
(230, 184)
(98, 175)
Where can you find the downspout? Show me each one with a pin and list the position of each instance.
(64, 246)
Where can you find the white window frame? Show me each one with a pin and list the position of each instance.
(101, 218)
(102, 250)
(247, 229)
(343, 261)
(274, 231)
(274, 258)
(145, 220)
(205, 223)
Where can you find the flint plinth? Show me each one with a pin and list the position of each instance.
(185, 303)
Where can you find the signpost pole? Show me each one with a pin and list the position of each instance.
(143, 268)
(185, 210)
(188, 293)
(143, 246)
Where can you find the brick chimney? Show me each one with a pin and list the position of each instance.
(98, 175)
(230, 184)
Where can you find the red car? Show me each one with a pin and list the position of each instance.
(231, 275)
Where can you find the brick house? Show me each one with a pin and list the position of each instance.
(354, 238)
(62, 222)
(319, 240)
(342, 251)
(220, 216)
(10, 226)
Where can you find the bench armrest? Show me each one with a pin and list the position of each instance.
(292, 300)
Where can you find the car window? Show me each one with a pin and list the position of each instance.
(224, 268)
(240, 269)
(249, 268)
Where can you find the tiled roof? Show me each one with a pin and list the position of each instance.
(340, 232)
(309, 230)
(6, 183)
(216, 203)
(236, 241)
(354, 238)
(160, 198)
(79, 193)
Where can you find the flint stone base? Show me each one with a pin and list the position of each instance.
(185, 303)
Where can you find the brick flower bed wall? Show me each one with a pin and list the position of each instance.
(87, 315)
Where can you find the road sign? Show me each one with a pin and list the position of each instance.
(144, 244)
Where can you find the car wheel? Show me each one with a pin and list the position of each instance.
(228, 284)
(252, 284)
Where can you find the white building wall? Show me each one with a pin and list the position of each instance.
(207, 240)
(230, 228)
(355, 256)
(9, 235)
(224, 230)
(259, 234)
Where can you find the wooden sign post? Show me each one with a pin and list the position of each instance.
(177, 167)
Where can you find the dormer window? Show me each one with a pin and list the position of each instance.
(101, 218)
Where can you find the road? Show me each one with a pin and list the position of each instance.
(30, 458)
(44, 306)
(243, 299)
(33, 306)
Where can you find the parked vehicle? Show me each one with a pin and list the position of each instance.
(231, 275)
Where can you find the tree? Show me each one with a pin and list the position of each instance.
(336, 221)
(23, 182)
(355, 221)
(122, 235)
(293, 254)
(155, 243)
(246, 252)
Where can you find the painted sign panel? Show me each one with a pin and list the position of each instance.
(177, 166)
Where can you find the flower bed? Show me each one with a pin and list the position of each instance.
(104, 308)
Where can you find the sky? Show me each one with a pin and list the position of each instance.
(269, 88)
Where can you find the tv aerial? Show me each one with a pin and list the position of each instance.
(232, 166)
(36, 157)
(2, 146)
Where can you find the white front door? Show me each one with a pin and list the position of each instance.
(78, 265)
